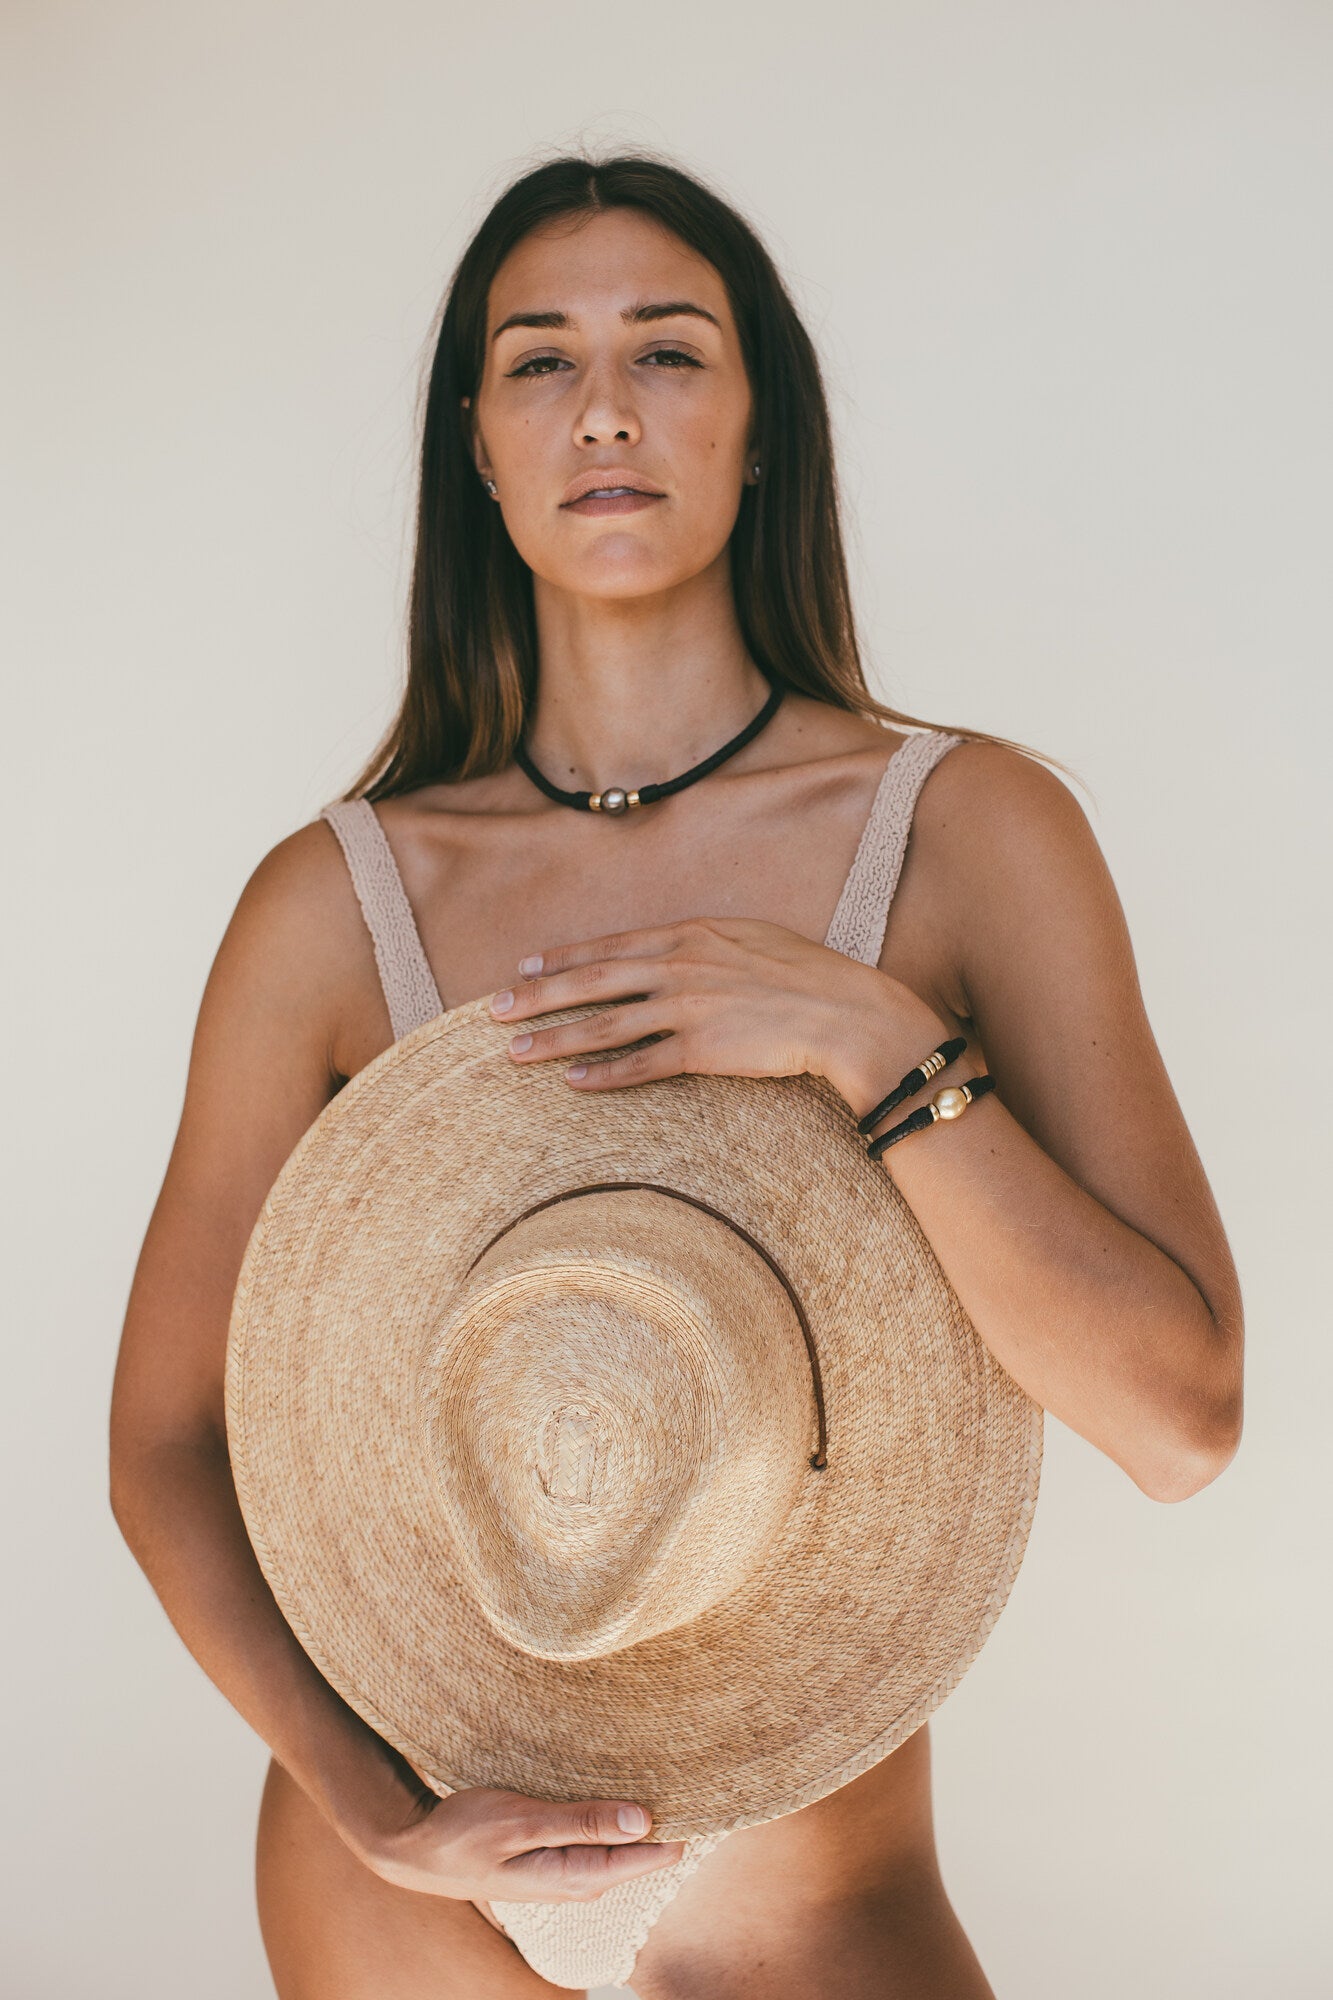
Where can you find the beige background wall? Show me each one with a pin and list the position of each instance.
(1068, 268)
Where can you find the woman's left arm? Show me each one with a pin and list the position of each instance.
(1068, 1208)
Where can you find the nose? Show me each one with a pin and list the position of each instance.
(608, 414)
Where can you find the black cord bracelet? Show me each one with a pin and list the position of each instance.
(950, 1102)
(913, 1081)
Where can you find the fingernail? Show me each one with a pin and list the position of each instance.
(530, 965)
(519, 1043)
(501, 1002)
(579, 1069)
(632, 1819)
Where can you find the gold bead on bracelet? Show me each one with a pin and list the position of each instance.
(951, 1102)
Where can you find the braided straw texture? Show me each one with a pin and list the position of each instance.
(894, 1562)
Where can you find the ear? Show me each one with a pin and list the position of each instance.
(470, 432)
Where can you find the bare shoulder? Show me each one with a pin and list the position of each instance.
(299, 927)
(1002, 842)
(300, 876)
(298, 909)
(991, 794)
(1016, 862)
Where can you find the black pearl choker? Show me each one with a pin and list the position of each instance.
(615, 799)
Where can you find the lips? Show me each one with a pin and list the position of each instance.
(621, 500)
(608, 482)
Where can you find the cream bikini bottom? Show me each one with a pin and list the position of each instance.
(596, 1944)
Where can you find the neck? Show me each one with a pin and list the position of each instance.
(632, 693)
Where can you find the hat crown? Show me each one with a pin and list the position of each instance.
(620, 1412)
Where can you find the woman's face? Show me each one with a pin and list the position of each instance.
(600, 393)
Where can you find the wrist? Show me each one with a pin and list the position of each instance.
(882, 1041)
(365, 1787)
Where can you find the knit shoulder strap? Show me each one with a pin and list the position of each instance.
(862, 915)
(409, 986)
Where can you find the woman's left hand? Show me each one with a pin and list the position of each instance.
(729, 996)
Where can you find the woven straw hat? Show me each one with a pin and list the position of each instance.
(623, 1444)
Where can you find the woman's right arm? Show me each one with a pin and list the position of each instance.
(261, 1070)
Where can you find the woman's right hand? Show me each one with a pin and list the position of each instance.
(482, 1845)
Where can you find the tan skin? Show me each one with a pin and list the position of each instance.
(1069, 1208)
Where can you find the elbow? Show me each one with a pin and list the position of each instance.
(129, 1464)
(123, 1494)
(141, 1472)
(1199, 1432)
(1194, 1455)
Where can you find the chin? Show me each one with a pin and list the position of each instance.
(634, 572)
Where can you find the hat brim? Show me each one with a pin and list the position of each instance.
(893, 1565)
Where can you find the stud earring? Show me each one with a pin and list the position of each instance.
(489, 484)
(756, 468)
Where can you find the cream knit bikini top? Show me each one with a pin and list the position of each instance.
(595, 1944)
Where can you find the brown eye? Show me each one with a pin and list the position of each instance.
(672, 357)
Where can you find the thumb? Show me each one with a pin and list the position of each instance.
(599, 1822)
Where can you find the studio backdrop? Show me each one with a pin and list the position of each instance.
(1067, 271)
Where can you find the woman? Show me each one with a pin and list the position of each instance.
(627, 537)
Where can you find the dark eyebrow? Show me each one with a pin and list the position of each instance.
(632, 316)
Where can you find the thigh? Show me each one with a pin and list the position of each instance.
(333, 1930)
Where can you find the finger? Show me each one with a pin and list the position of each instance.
(580, 1874)
(598, 979)
(545, 1823)
(660, 1058)
(650, 941)
(613, 1029)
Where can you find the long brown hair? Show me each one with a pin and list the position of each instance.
(472, 643)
